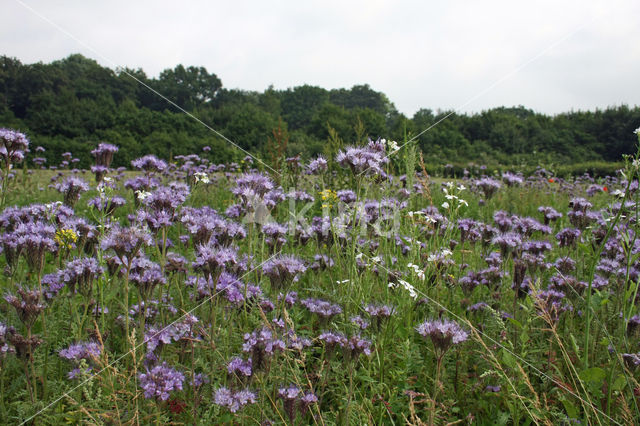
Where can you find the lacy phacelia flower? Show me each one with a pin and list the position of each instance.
(104, 154)
(369, 159)
(27, 306)
(146, 275)
(160, 381)
(261, 344)
(13, 144)
(317, 166)
(80, 274)
(72, 187)
(211, 260)
(324, 309)
(283, 269)
(355, 346)
(234, 401)
(239, 367)
(83, 350)
(149, 163)
(443, 333)
(126, 242)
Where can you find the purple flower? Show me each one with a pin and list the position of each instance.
(487, 186)
(160, 381)
(212, 260)
(355, 346)
(347, 196)
(550, 214)
(146, 275)
(107, 205)
(568, 237)
(631, 360)
(565, 265)
(317, 166)
(283, 269)
(234, 401)
(104, 154)
(82, 350)
(289, 396)
(239, 367)
(359, 322)
(332, 340)
(72, 187)
(261, 344)
(80, 274)
(480, 306)
(27, 306)
(324, 309)
(379, 312)
(512, 179)
(156, 337)
(443, 333)
(149, 163)
(370, 158)
(5, 333)
(125, 242)
(12, 146)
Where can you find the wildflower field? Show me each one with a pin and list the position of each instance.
(352, 288)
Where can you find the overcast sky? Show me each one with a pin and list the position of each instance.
(550, 56)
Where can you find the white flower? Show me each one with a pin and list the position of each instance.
(461, 187)
(461, 201)
(409, 288)
(142, 195)
(342, 281)
(445, 205)
(417, 270)
(375, 260)
(446, 252)
(393, 146)
(618, 193)
(450, 197)
(359, 256)
(636, 164)
(201, 177)
(637, 131)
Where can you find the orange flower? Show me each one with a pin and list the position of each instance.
(551, 180)
(605, 189)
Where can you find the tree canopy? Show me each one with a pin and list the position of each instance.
(74, 103)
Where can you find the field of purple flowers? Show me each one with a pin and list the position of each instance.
(345, 290)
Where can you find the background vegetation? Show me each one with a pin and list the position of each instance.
(70, 104)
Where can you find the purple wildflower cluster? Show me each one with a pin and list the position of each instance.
(282, 270)
(443, 334)
(369, 159)
(295, 401)
(160, 381)
(234, 401)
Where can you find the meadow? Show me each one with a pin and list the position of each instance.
(352, 288)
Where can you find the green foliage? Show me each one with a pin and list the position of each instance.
(73, 103)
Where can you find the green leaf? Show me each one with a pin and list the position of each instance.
(619, 383)
(515, 322)
(572, 411)
(593, 374)
(508, 359)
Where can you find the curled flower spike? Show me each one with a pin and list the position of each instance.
(443, 334)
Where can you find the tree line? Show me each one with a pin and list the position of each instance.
(71, 104)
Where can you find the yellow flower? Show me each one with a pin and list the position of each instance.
(66, 238)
